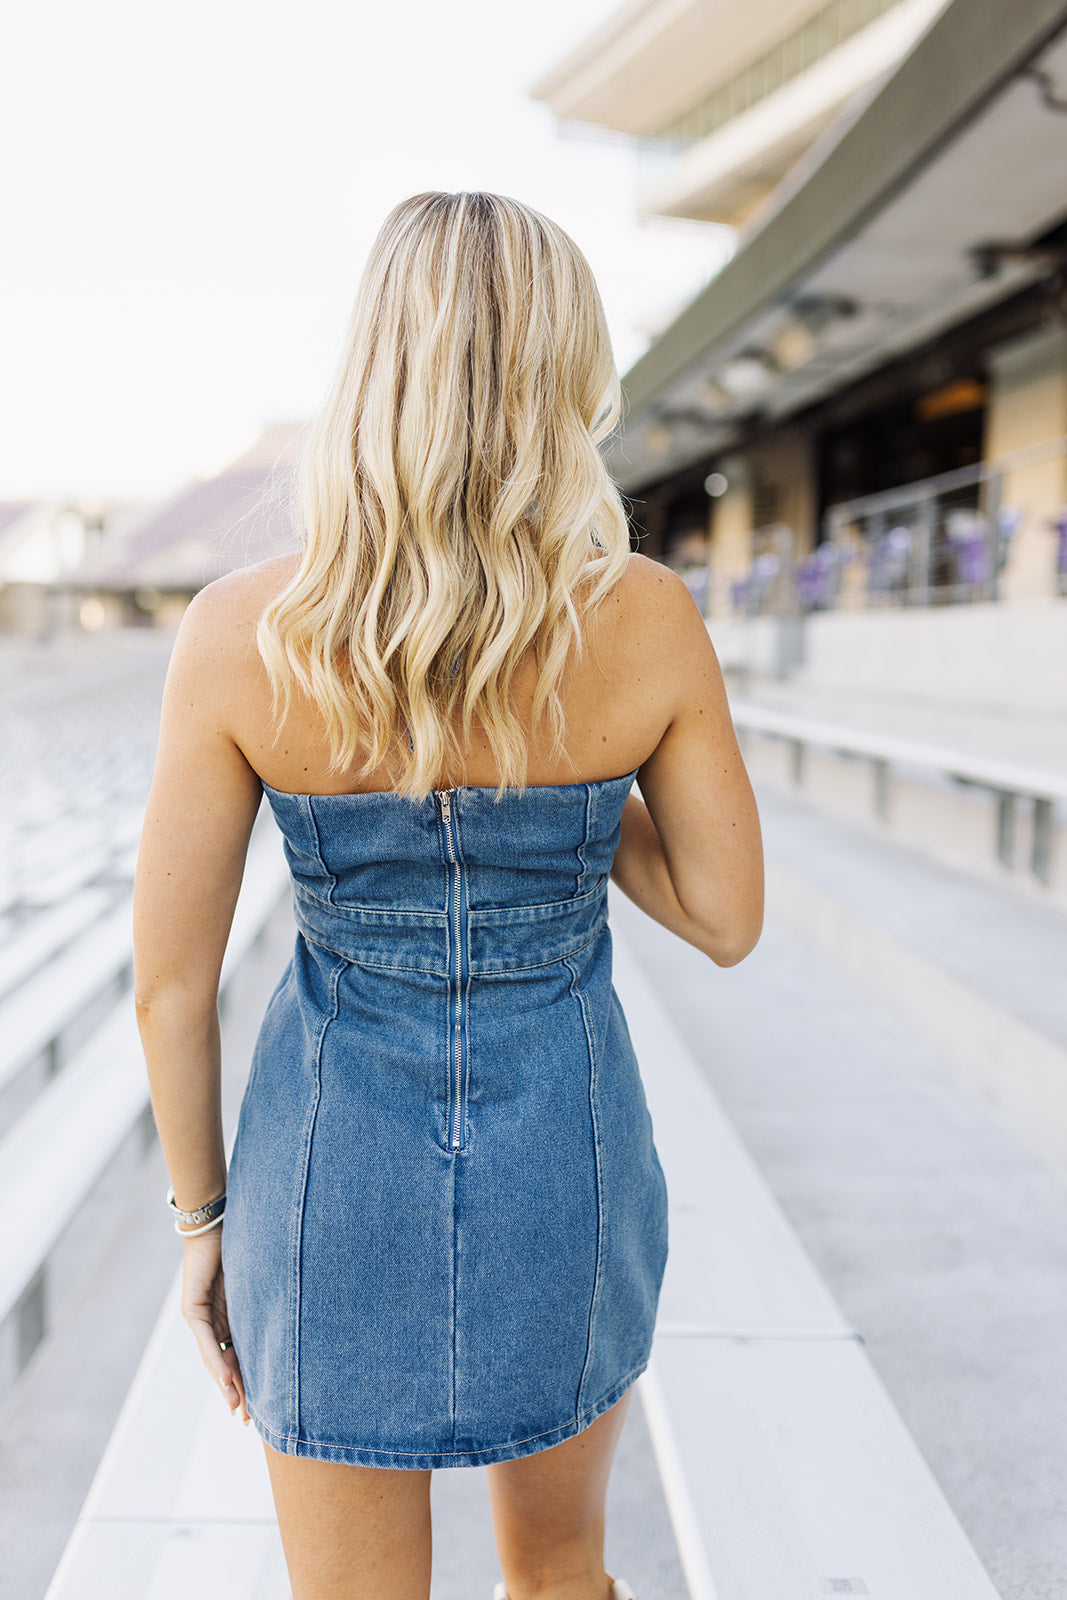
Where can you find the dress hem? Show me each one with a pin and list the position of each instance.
(426, 1460)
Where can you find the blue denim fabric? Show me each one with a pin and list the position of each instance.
(446, 1225)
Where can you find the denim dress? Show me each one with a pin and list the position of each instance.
(446, 1225)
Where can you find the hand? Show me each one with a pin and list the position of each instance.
(204, 1309)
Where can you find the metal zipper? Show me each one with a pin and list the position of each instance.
(445, 796)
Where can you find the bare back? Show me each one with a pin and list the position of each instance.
(644, 695)
(616, 704)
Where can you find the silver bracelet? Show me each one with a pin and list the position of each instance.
(191, 1233)
(205, 1213)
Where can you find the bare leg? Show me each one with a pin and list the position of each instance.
(548, 1514)
(352, 1533)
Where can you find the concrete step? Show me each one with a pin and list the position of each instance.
(937, 1231)
(983, 789)
(181, 1503)
(788, 1470)
(1025, 735)
(974, 969)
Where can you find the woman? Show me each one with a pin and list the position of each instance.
(443, 1230)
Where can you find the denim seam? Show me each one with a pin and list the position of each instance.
(594, 1120)
(384, 917)
(582, 1419)
(447, 973)
(453, 1282)
(316, 844)
(296, 1230)
(361, 961)
(592, 796)
(447, 1035)
(469, 788)
(466, 1085)
(580, 886)
(357, 913)
(549, 961)
(436, 972)
(521, 906)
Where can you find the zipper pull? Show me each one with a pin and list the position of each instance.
(446, 804)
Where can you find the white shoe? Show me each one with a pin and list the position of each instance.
(620, 1590)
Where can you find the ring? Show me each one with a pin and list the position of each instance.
(225, 1344)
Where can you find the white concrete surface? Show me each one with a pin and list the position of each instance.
(939, 1234)
(974, 970)
(108, 1276)
(994, 655)
(916, 801)
(788, 1470)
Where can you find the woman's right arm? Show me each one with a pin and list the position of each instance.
(690, 852)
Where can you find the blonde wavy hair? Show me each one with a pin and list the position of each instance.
(452, 500)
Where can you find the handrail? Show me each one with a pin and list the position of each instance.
(907, 494)
(1004, 776)
(915, 547)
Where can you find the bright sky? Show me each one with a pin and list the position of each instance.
(190, 190)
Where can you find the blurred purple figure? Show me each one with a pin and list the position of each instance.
(818, 577)
(969, 534)
(889, 560)
(1059, 528)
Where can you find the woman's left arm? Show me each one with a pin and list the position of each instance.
(198, 820)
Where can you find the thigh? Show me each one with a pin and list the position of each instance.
(352, 1533)
(548, 1508)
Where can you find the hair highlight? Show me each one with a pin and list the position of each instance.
(453, 504)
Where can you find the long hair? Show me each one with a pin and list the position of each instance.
(452, 501)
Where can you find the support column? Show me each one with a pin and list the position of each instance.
(1028, 404)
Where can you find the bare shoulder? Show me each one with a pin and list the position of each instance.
(650, 582)
(654, 616)
(220, 621)
(215, 659)
(238, 597)
(652, 597)
(656, 646)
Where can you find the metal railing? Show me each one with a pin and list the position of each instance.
(942, 540)
(1013, 784)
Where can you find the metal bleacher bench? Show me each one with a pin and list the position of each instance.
(28, 948)
(57, 990)
(53, 1155)
(788, 1472)
(1008, 781)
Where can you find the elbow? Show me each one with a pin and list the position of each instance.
(728, 945)
(150, 997)
(724, 922)
(144, 1000)
(727, 953)
(147, 1004)
(173, 1005)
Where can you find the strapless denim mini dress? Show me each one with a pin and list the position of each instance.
(446, 1225)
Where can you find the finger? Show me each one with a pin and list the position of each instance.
(245, 1418)
(215, 1359)
(236, 1377)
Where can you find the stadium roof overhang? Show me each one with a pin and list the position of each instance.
(926, 211)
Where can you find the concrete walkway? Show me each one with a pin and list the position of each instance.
(939, 1233)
